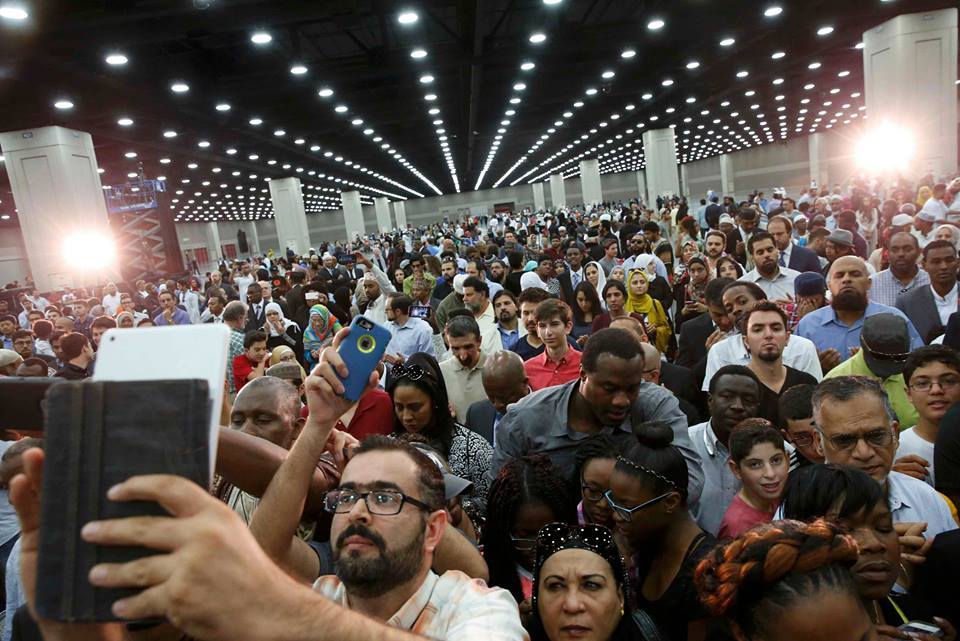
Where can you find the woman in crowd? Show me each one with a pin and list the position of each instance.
(617, 273)
(587, 308)
(397, 276)
(323, 325)
(593, 466)
(125, 319)
(689, 231)
(787, 581)
(527, 494)
(728, 267)
(648, 496)
(867, 221)
(615, 297)
(665, 254)
(948, 232)
(856, 502)
(690, 291)
(688, 249)
(595, 275)
(580, 587)
(340, 305)
(421, 405)
(639, 301)
(282, 330)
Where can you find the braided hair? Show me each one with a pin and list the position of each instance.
(527, 479)
(754, 578)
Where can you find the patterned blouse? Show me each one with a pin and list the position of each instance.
(469, 458)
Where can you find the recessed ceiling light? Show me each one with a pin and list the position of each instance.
(222, 106)
(13, 12)
(430, 97)
(773, 11)
(537, 38)
(606, 75)
(743, 73)
(859, 45)
(298, 70)
(170, 133)
(693, 64)
(647, 96)
(63, 104)
(418, 54)
(256, 122)
(776, 55)
(164, 161)
(203, 144)
(325, 92)
(125, 122)
(340, 109)
(656, 24)
(179, 87)
(825, 31)
(130, 154)
(814, 65)
(628, 53)
(261, 38)
(549, 2)
(407, 17)
(519, 86)
(116, 59)
(843, 74)
(527, 66)
(426, 80)
(279, 133)
(667, 82)
(727, 42)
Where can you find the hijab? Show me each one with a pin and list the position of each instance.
(640, 304)
(275, 307)
(601, 280)
(313, 338)
(278, 353)
(644, 260)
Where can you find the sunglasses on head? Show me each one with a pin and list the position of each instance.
(412, 372)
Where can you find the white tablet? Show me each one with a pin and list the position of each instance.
(175, 352)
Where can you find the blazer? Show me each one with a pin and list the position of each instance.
(683, 383)
(567, 294)
(803, 259)
(692, 351)
(480, 418)
(254, 321)
(921, 309)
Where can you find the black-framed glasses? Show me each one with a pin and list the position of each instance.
(626, 513)
(874, 438)
(412, 372)
(947, 384)
(802, 440)
(523, 543)
(591, 493)
(380, 502)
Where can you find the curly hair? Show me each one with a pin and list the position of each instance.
(523, 480)
(754, 578)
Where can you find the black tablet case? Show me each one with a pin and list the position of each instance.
(97, 434)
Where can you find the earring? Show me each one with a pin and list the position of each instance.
(621, 610)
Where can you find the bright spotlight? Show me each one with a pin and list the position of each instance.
(887, 147)
(89, 251)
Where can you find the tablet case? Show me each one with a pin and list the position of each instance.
(98, 434)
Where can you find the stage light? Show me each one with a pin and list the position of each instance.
(885, 148)
(89, 251)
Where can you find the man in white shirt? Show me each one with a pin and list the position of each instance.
(932, 377)
(476, 298)
(376, 287)
(111, 299)
(800, 353)
(774, 280)
(923, 228)
(243, 280)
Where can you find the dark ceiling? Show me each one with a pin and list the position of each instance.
(567, 107)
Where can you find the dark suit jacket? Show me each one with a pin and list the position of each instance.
(339, 278)
(295, 301)
(692, 352)
(254, 321)
(683, 383)
(803, 259)
(480, 418)
(921, 309)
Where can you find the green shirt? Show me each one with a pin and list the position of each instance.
(894, 386)
(408, 282)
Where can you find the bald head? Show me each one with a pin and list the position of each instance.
(268, 407)
(632, 325)
(849, 282)
(505, 380)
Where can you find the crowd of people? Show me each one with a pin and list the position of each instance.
(732, 420)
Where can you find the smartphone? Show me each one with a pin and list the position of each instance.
(921, 627)
(420, 311)
(361, 352)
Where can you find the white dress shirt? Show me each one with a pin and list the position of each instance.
(946, 305)
(800, 353)
(780, 286)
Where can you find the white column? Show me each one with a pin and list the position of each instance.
(539, 202)
(910, 71)
(558, 194)
(214, 245)
(61, 206)
(352, 214)
(660, 152)
(642, 187)
(382, 207)
(684, 182)
(590, 181)
(818, 166)
(727, 187)
(289, 215)
(400, 213)
(253, 237)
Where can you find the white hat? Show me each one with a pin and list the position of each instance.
(458, 283)
(901, 220)
(927, 216)
(327, 255)
(605, 217)
(799, 216)
(726, 218)
(530, 280)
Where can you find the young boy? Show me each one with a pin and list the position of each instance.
(759, 460)
(559, 363)
(252, 363)
(797, 426)
(932, 376)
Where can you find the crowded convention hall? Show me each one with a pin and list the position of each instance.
(479, 320)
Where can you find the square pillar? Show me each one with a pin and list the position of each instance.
(558, 194)
(818, 165)
(642, 187)
(352, 214)
(727, 187)
(382, 207)
(590, 181)
(909, 73)
(211, 234)
(539, 202)
(289, 215)
(660, 152)
(61, 206)
(400, 214)
(253, 238)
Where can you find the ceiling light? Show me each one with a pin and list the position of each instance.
(261, 38)
(164, 161)
(179, 87)
(426, 80)
(519, 86)
(116, 59)
(743, 74)
(222, 106)
(727, 42)
(170, 133)
(859, 45)
(667, 82)
(550, 2)
(125, 122)
(773, 11)
(537, 38)
(325, 92)
(647, 96)
(279, 133)
(825, 31)
(298, 70)
(527, 66)
(130, 154)
(776, 55)
(843, 74)
(407, 17)
(356, 122)
(430, 97)
(656, 24)
(63, 104)
(693, 64)
(417, 54)
(13, 12)
(340, 109)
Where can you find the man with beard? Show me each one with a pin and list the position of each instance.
(929, 307)
(497, 271)
(713, 245)
(775, 280)
(835, 330)
(792, 255)
(765, 333)
(475, 268)
(476, 298)
(463, 370)
(505, 307)
(735, 393)
(609, 397)
(904, 274)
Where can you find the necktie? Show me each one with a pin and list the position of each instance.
(782, 262)
(575, 279)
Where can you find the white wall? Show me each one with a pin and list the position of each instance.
(13, 262)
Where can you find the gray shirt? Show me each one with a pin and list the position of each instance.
(720, 485)
(538, 424)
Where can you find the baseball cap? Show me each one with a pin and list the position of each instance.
(809, 284)
(841, 237)
(885, 340)
(901, 220)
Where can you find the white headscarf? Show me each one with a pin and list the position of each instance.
(644, 260)
(274, 307)
(601, 280)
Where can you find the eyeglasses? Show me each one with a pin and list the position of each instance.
(876, 438)
(947, 384)
(380, 502)
(523, 543)
(591, 493)
(626, 513)
(802, 440)
(412, 372)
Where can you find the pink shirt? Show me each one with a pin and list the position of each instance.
(740, 517)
